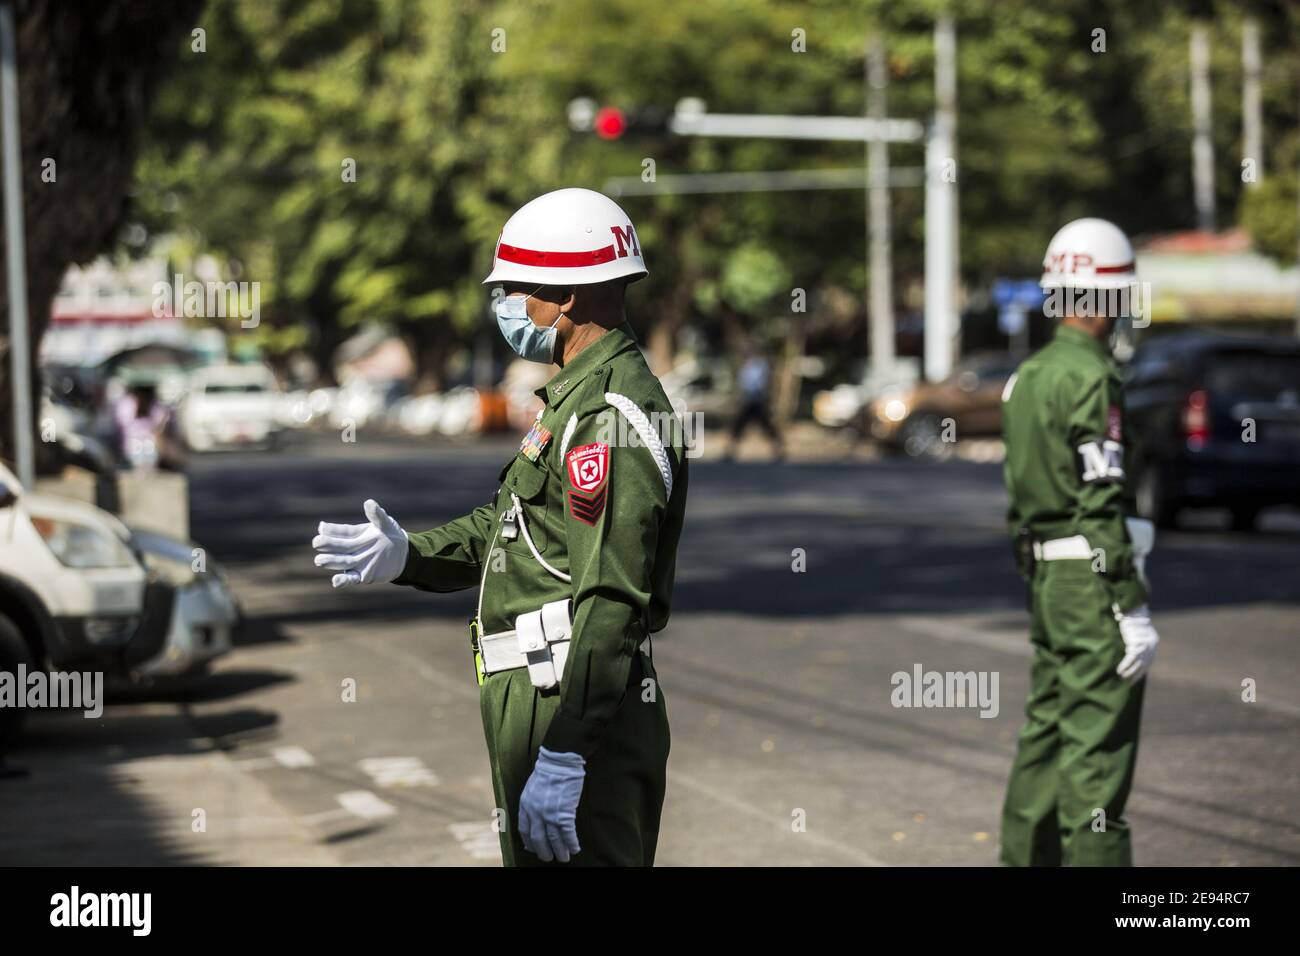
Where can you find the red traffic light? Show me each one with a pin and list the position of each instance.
(610, 122)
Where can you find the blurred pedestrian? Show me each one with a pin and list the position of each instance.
(145, 426)
(753, 383)
(574, 558)
(1082, 556)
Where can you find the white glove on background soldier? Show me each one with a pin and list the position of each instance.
(372, 553)
(1140, 640)
(548, 807)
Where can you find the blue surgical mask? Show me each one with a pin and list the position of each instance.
(528, 340)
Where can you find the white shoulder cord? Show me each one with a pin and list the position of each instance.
(482, 584)
(569, 429)
(638, 420)
(528, 539)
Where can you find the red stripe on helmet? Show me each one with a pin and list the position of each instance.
(1127, 267)
(554, 260)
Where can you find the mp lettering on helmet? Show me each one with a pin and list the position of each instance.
(624, 238)
(1101, 461)
(1067, 262)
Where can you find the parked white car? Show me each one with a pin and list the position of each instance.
(205, 614)
(73, 597)
(81, 591)
(232, 406)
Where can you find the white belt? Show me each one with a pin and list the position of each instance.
(501, 652)
(1063, 549)
(540, 641)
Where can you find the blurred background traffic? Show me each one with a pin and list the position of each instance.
(254, 236)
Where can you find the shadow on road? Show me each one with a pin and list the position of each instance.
(80, 803)
(892, 536)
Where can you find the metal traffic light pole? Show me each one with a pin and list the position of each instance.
(691, 118)
(15, 255)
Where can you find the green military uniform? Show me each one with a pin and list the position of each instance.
(602, 503)
(1066, 476)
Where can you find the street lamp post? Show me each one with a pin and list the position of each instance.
(15, 257)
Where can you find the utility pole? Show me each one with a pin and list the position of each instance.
(880, 300)
(692, 118)
(1252, 123)
(16, 256)
(942, 327)
(1202, 146)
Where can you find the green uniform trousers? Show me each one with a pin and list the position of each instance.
(1078, 748)
(623, 792)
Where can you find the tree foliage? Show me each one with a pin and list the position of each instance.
(454, 115)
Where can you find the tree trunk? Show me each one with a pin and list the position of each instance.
(430, 343)
(86, 77)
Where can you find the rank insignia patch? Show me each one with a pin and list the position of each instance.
(588, 508)
(534, 442)
(588, 466)
(588, 471)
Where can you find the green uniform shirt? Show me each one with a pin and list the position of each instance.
(1066, 465)
(596, 504)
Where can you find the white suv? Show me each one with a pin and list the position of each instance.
(81, 591)
(231, 406)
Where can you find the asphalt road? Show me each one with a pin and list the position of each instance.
(786, 748)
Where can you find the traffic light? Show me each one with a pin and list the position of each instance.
(612, 122)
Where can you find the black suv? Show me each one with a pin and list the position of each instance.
(1215, 422)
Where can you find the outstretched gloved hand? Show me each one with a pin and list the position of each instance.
(548, 807)
(371, 553)
(1140, 640)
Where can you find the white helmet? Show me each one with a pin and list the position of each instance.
(568, 237)
(1088, 254)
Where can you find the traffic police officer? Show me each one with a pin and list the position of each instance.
(1067, 481)
(575, 555)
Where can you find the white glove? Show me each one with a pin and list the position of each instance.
(364, 553)
(1140, 640)
(548, 807)
(1142, 535)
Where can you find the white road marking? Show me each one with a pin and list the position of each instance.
(478, 839)
(743, 806)
(293, 757)
(398, 772)
(254, 763)
(357, 803)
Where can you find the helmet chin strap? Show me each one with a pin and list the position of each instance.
(561, 340)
